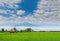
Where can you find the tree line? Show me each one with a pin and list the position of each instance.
(12, 30)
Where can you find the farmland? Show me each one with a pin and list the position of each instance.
(30, 36)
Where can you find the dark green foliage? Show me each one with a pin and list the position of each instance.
(29, 30)
(2, 29)
(15, 29)
(22, 30)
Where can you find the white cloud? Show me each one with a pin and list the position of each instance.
(9, 3)
(43, 14)
(6, 12)
(20, 12)
(40, 15)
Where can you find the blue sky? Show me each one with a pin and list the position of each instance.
(29, 13)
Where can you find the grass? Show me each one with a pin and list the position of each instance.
(30, 36)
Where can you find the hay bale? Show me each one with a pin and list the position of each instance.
(12, 31)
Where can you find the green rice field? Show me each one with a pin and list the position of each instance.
(30, 36)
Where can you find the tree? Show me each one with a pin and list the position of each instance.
(22, 30)
(2, 29)
(15, 29)
(29, 30)
(6, 30)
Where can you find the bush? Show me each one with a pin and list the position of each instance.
(2, 29)
(28, 30)
(15, 29)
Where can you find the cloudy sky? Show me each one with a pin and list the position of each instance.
(30, 13)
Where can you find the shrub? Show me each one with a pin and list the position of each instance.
(15, 29)
(2, 29)
(28, 30)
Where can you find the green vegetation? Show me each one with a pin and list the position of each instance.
(30, 36)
